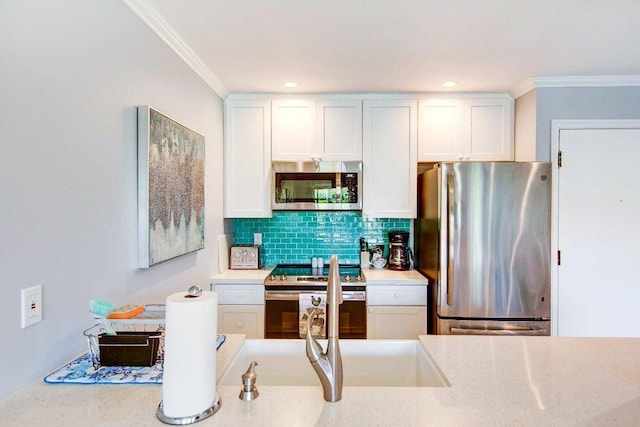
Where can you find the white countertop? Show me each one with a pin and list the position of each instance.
(374, 277)
(384, 276)
(248, 277)
(497, 381)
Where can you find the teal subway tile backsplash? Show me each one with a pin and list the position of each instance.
(294, 237)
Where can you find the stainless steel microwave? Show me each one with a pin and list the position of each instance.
(317, 185)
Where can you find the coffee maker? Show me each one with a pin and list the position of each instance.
(399, 251)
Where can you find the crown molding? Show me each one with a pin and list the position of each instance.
(574, 81)
(586, 81)
(522, 88)
(151, 17)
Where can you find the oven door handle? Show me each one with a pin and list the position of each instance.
(295, 295)
(281, 295)
(501, 331)
(354, 295)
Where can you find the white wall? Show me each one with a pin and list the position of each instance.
(525, 127)
(71, 74)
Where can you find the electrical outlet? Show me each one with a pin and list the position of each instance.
(257, 239)
(31, 306)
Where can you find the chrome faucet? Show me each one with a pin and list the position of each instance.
(328, 365)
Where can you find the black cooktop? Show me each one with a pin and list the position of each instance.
(305, 270)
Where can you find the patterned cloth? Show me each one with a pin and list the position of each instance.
(81, 371)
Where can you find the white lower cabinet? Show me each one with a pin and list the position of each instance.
(240, 309)
(396, 322)
(396, 312)
(241, 319)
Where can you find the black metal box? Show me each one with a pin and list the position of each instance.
(129, 348)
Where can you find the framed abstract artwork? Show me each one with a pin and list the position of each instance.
(170, 188)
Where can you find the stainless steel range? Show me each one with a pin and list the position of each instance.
(289, 286)
(304, 275)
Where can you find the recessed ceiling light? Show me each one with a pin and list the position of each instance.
(291, 84)
(449, 84)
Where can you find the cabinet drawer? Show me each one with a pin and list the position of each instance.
(240, 294)
(397, 295)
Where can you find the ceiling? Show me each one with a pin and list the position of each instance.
(352, 46)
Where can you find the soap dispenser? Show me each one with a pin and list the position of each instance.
(249, 390)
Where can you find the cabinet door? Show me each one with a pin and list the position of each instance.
(440, 129)
(403, 322)
(339, 128)
(488, 129)
(241, 319)
(294, 130)
(389, 156)
(470, 129)
(247, 159)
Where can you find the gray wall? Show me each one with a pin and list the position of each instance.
(581, 103)
(71, 74)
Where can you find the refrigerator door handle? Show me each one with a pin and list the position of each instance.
(507, 331)
(448, 257)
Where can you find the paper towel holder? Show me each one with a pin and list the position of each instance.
(194, 291)
(190, 419)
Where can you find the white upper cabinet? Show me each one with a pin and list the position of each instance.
(247, 159)
(440, 129)
(305, 130)
(488, 129)
(389, 135)
(466, 129)
(339, 127)
(294, 129)
(389, 160)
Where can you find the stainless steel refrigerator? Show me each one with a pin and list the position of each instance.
(483, 236)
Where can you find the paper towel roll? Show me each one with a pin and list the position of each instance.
(189, 378)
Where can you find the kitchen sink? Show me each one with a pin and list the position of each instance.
(366, 363)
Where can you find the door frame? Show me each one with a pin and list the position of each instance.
(556, 127)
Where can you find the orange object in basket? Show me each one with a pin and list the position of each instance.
(125, 312)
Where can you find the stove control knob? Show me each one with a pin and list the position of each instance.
(347, 278)
(272, 277)
(283, 278)
(358, 278)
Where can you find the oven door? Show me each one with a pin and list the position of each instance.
(282, 317)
